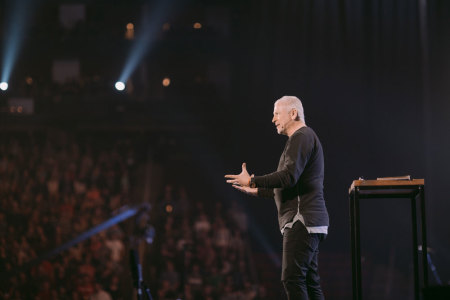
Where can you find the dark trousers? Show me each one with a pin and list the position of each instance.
(299, 273)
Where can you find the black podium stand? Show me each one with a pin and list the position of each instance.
(369, 189)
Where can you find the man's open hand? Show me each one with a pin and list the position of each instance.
(248, 190)
(243, 179)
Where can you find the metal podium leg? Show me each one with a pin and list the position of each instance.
(352, 246)
(424, 237)
(358, 246)
(415, 248)
(355, 245)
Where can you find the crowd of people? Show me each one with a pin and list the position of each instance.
(53, 187)
(201, 250)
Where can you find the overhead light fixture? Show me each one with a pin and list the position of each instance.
(120, 86)
(3, 86)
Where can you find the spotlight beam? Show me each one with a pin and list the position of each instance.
(125, 213)
(150, 27)
(17, 20)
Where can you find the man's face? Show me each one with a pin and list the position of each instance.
(281, 118)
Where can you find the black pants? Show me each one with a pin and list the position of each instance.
(299, 273)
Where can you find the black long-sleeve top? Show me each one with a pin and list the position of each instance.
(297, 185)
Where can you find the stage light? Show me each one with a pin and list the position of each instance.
(197, 25)
(3, 86)
(166, 81)
(129, 34)
(120, 86)
(169, 208)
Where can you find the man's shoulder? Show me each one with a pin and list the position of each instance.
(306, 138)
(304, 132)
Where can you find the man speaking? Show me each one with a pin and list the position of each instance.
(297, 187)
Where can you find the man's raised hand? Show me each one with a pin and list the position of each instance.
(242, 179)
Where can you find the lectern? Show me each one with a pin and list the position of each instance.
(408, 189)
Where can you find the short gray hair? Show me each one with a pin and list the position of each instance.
(293, 102)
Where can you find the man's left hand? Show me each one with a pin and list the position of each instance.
(243, 179)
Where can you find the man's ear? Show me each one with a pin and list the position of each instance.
(294, 114)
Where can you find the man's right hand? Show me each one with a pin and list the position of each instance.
(248, 190)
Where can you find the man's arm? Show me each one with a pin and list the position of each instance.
(298, 151)
(265, 193)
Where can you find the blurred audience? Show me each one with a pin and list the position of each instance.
(53, 187)
(199, 250)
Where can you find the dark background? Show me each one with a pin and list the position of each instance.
(373, 77)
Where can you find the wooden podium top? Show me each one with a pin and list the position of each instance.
(379, 185)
